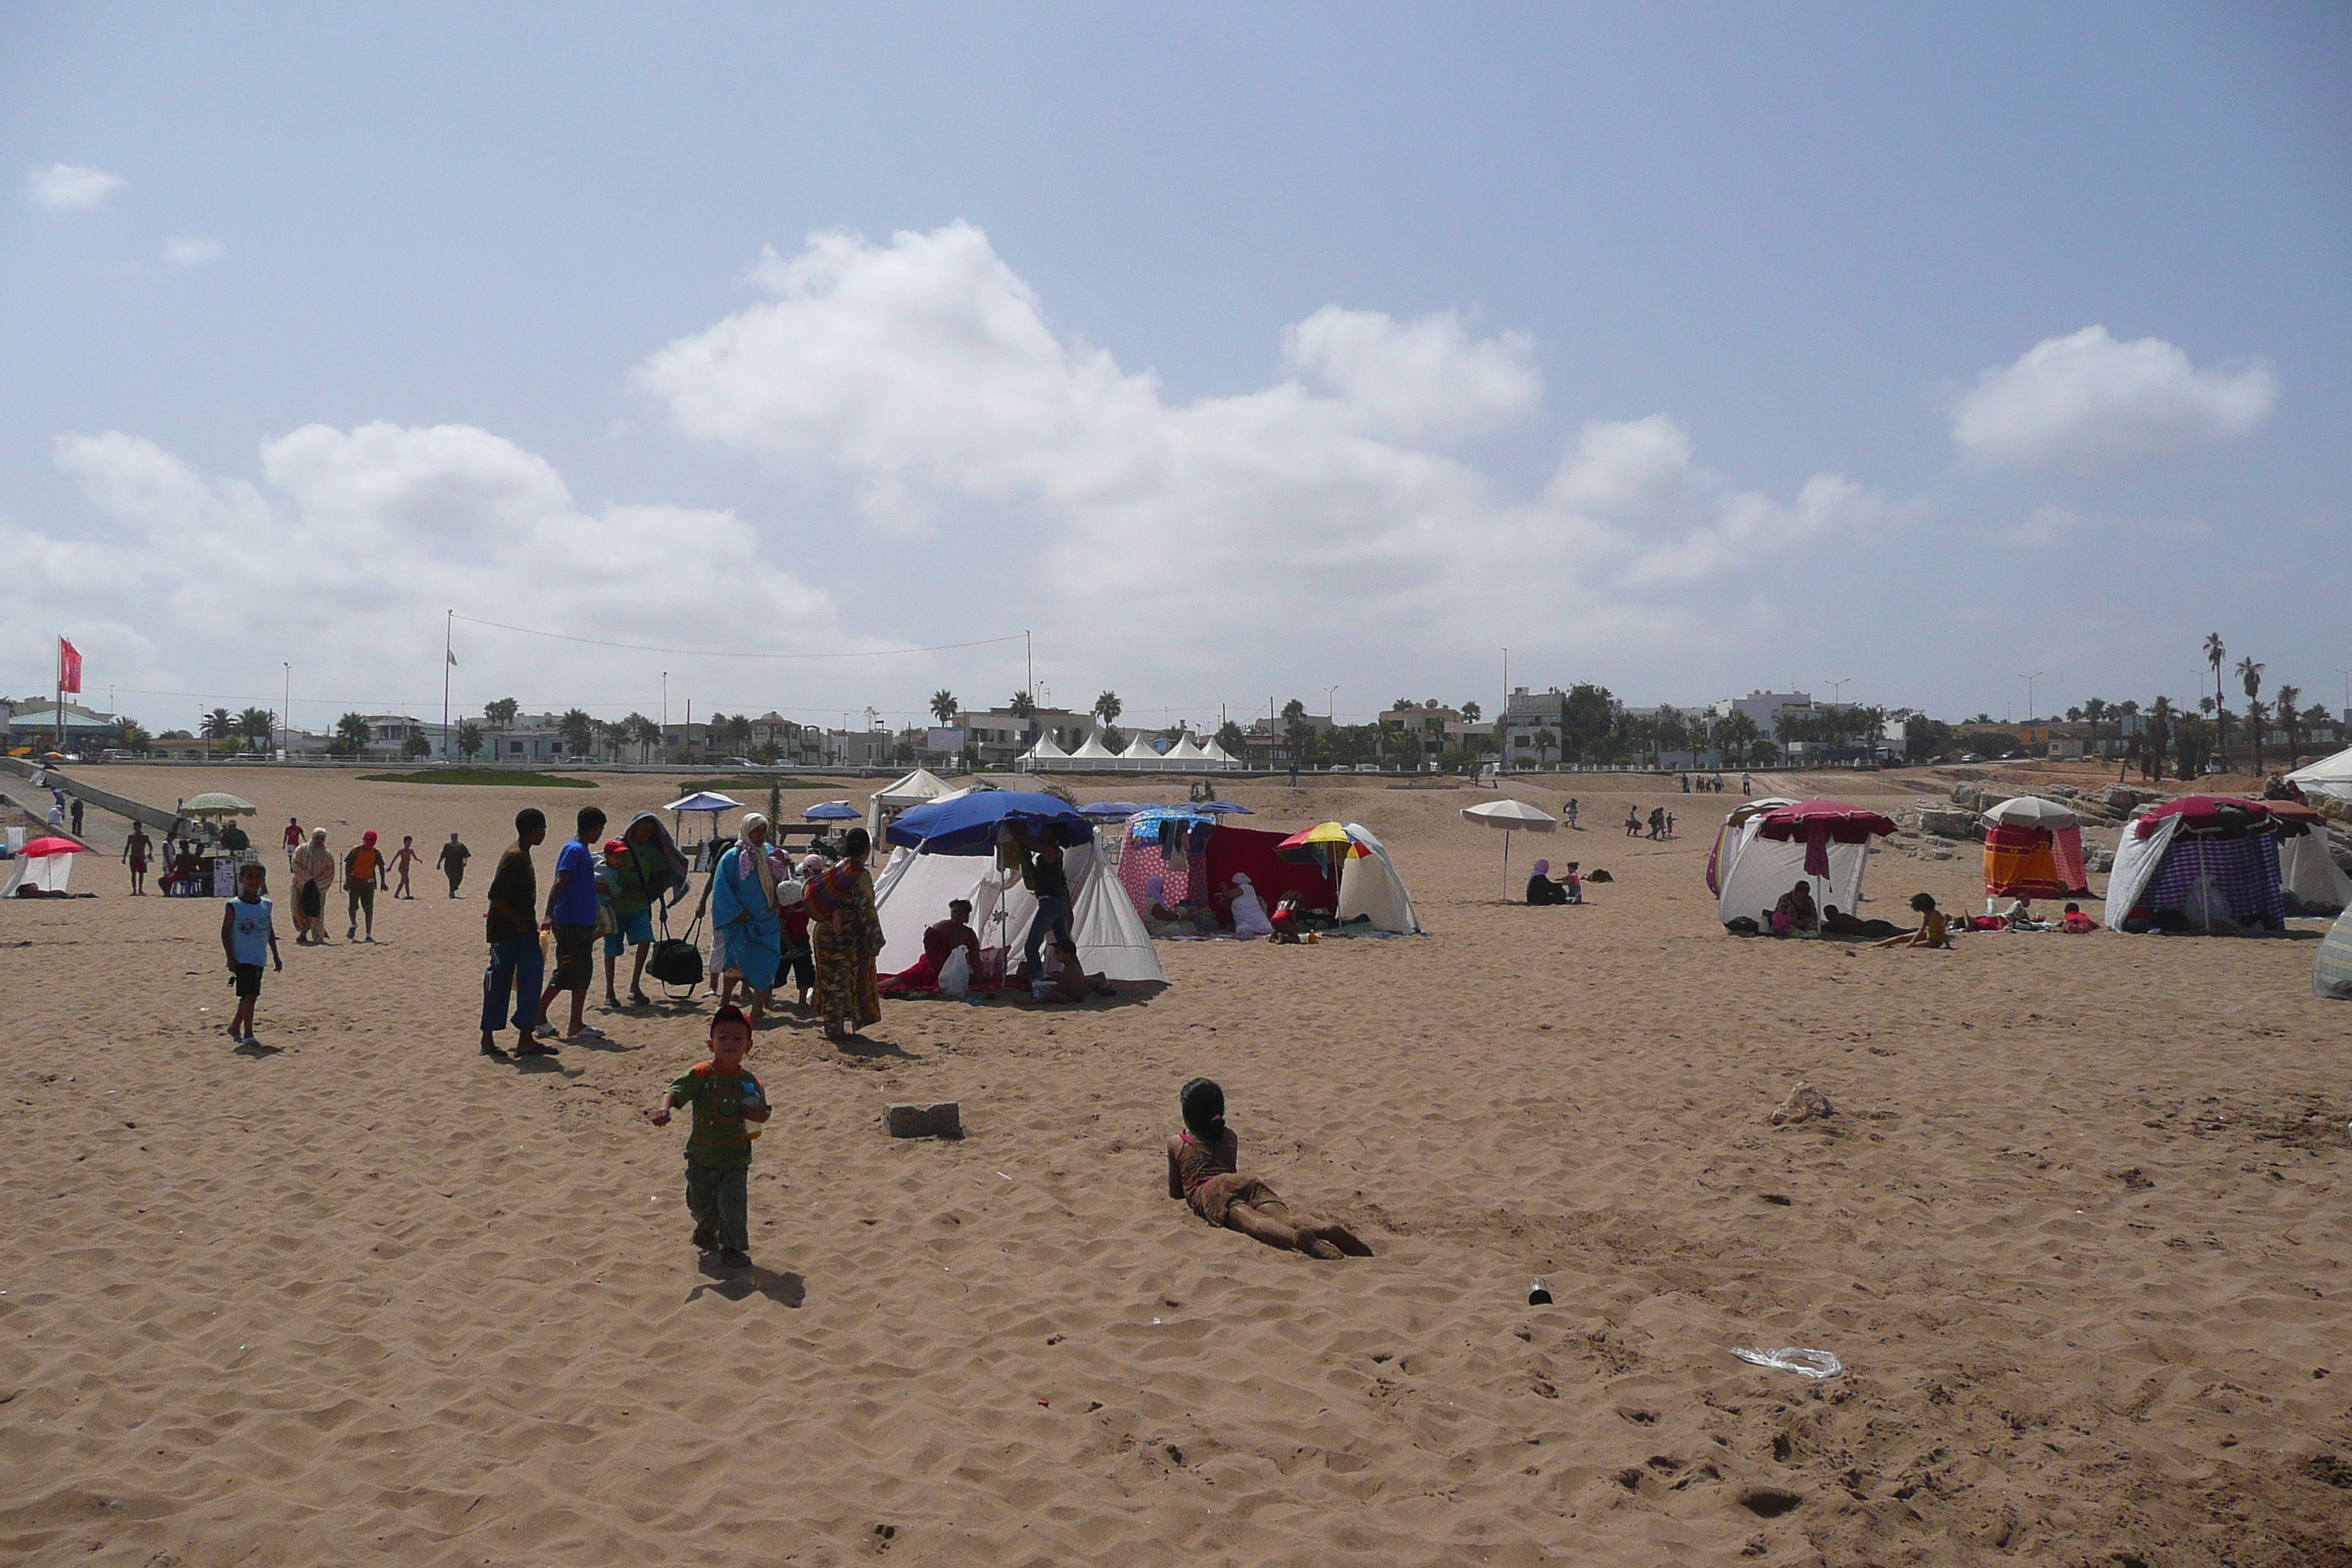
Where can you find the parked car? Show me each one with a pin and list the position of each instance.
(1973, 757)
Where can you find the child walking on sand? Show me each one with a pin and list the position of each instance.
(1203, 1170)
(719, 1147)
(248, 936)
(400, 862)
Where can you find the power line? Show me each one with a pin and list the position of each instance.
(711, 653)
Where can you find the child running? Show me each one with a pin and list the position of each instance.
(248, 937)
(1203, 1170)
(718, 1148)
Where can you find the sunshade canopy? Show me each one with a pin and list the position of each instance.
(1224, 809)
(39, 848)
(1511, 817)
(1833, 819)
(831, 811)
(1323, 843)
(967, 825)
(2220, 815)
(2033, 811)
(215, 803)
(1110, 810)
(703, 800)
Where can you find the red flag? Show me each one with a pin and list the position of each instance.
(69, 667)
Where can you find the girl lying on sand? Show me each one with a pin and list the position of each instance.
(1202, 1163)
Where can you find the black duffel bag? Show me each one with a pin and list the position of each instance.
(677, 961)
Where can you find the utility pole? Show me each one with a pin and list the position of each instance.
(449, 661)
(2029, 680)
(1029, 685)
(286, 711)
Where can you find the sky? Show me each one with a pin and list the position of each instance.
(805, 358)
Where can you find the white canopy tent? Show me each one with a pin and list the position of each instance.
(1138, 752)
(1094, 754)
(1185, 754)
(1216, 755)
(1043, 753)
(2329, 776)
(1754, 871)
(914, 889)
(918, 789)
(1369, 885)
(2309, 872)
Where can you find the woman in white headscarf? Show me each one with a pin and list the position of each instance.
(1249, 910)
(745, 918)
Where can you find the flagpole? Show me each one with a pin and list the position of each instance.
(449, 661)
(61, 694)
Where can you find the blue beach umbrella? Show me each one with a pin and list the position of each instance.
(968, 825)
(832, 811)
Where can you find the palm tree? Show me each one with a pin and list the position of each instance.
(218, 726)
(1471, 712)
(502, 713)
(351, 732)
(2250, 676)
(738, 732)
(2094, 709)
(257, 725)
(1545, 741)
(2157, 739)
(134, 739)
(650, 736)
(579, 732)
(2290, 718)
(1107, 708)
(469, 739)
(2257, 710)
(944, 706)
(2215, 652)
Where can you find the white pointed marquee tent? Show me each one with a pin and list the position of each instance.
(914, 890)
(918, 789)
(1216, 755)
(1094, 754)
(1185, 754)
(2329, 775)
(1138, 752)
(1044, 754)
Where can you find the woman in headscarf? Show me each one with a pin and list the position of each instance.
(1541, 889)
(1249, 909)
(846, 935)
(314, 876)
(744, 914)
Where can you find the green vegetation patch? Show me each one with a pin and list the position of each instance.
(510, 776)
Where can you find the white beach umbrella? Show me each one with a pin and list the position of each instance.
(1506, 817)
(2033, 811)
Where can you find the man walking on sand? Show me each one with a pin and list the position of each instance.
(454, 856)
(293, 839)
(314, 874)
(362, 875)
(572, 916)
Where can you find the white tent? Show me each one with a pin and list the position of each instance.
(1185, 754)
(2329, 775)
(1733, 836)
(1138, 752)
(914, 889)
(918, 789)
(2311, 873)
(1043, 753)
(1755, 870)
(1094, 753)
(48, 873)
(1217, 756)
(1369, 885)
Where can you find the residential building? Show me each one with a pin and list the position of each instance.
(1002, 735)
(1764, 709)
(1526, 714)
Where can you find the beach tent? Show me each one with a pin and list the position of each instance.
(46, 864)
(2331, 971)
(1737, 830)
(2033, 850)
(2307, 872)
(1094, 753)
(918, 788)
(1823, 842)
(2199, 856)
(1194, 852)
(1506, 817)
(2329, 775)
(709, 802)
(1369, 885)
(1139, 753)
(915, 887)
(1044, 754)
(1217, 756)
(1185, 754)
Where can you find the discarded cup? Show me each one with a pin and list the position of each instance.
(1538, 1294)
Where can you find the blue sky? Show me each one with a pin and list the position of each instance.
(1688, 349)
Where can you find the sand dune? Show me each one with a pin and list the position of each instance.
(2078, 1233)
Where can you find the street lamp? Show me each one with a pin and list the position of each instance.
(1837, 689)
(1330, 703)
(2029, 680)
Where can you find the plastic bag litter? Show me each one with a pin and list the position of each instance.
(1790, 1358)
(955, 975)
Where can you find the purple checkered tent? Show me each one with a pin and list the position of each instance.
(2209, 860)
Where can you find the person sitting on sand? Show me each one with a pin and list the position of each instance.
(1071, 982)
(1796, 907)
(941, 939)
(2074, 923)
(1285, 918)
(1541, 890)
(1203, 1170)
(1934, 930)
(1249, 910)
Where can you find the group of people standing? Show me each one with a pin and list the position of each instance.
(366, 870)
(811, 924)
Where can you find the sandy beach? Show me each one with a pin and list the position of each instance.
(2078, 1232)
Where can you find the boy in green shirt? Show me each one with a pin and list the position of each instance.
(718, 1148)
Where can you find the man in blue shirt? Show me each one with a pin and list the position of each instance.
(571, 915)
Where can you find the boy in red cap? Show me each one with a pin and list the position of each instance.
(362, 874)
(719, 1149)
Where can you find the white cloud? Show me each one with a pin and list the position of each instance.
(1217, 533)
(353, 544)
(192, 250)
(68, 190)
(2086, 400)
